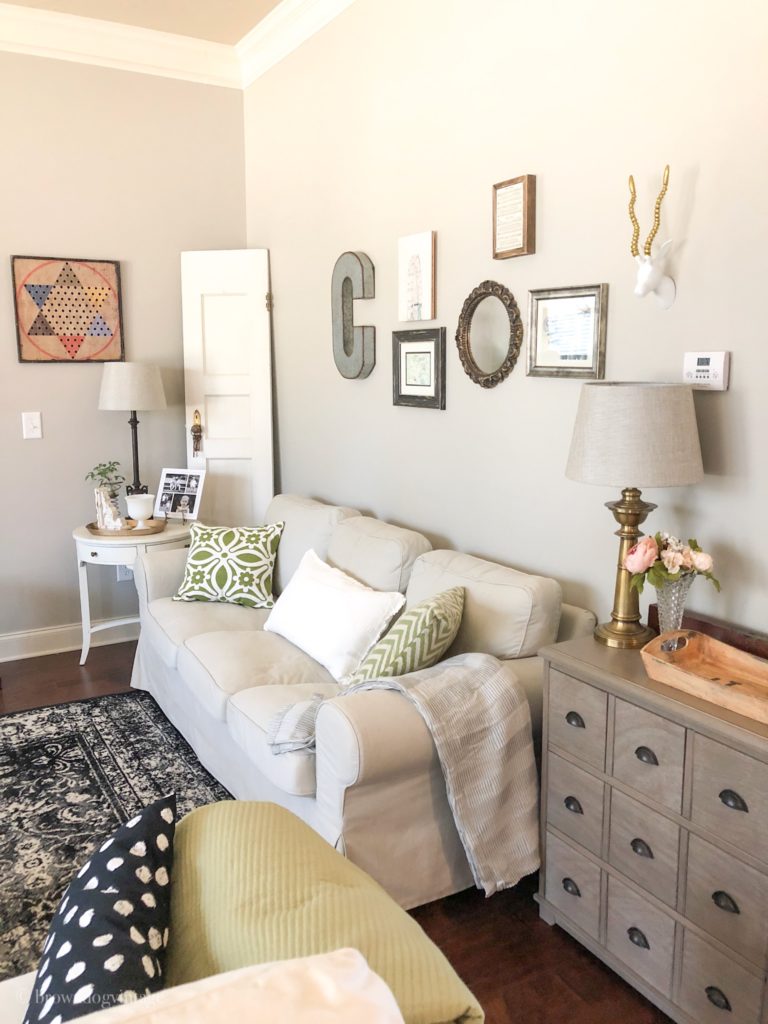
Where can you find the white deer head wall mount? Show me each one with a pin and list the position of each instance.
(650, 268)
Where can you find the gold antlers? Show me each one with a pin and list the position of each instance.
(656, 215)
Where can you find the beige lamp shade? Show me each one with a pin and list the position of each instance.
(644, 435)
(131, 386)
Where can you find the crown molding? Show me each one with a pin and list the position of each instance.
(41, 33)
(282, 31)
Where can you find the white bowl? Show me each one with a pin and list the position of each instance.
(140, 508)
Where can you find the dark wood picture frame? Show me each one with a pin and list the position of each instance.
(426, 350)
(68, 310)
(514, 217)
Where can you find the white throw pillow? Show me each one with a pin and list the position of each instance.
(330, 616)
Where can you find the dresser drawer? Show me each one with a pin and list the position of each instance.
(641, 936)
(107, 555)
(644, 845)
(730, 795)
(648, 754)
(573, 885)
(728, 899)
(577, 717)
(575, 803)
(711, 984)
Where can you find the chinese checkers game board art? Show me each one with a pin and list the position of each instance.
(67, 311)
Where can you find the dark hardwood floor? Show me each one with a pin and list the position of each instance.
(519, 968)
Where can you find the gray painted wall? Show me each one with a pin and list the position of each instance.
(112, 165)
(398, 118)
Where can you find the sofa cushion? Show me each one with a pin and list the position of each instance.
(507, 613)
(249, 714)
(170, 623)
(418, 639)
(331, 616)
(233, 564)
(253, 883)
(308, 524)
(214, 666)
(107, 941)
(375, 553)
(338, 987)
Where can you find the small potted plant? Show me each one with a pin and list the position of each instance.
(108, 480)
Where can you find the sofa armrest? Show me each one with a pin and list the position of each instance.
(159, 573)
(370, 736)
(575, 622)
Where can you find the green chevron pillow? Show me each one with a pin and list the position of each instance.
(233, 564)
(418, 639)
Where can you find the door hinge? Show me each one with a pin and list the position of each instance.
(269, 301)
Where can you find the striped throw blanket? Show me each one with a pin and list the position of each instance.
(481, 725)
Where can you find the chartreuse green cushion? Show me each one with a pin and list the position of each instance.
(232, 564)
(252, 883)
(418, 639)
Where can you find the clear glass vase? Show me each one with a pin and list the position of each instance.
(670, 598)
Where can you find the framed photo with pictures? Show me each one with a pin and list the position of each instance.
(179, 494)
(418, 368)
(566, 332)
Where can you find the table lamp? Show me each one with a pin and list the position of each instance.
(639, 434)
(128, 387)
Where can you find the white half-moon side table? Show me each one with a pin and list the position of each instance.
(122, 550)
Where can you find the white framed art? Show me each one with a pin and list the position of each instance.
(416, 277)
(179, 494)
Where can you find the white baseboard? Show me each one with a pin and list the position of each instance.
(36, 642)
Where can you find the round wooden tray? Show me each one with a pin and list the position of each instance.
(156, 526)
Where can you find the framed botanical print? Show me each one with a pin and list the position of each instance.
(418, 368)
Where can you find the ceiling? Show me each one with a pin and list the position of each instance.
(218, 21)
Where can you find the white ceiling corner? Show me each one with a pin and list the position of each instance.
(44, 33)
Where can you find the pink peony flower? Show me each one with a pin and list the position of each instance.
(672, 560)
(702, 562)
(687, 559)
(641, 556)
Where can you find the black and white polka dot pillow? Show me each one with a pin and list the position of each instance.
(107, 940)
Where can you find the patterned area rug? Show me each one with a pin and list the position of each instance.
(69, 775)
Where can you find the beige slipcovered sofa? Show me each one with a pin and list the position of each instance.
(374, 789)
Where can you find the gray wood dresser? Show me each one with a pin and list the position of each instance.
(655, 834)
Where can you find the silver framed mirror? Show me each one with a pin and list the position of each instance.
(489, 334)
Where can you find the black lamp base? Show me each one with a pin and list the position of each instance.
(137, 487)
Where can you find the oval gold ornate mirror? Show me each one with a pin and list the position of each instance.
(489, 334)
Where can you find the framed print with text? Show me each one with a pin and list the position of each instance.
(514, 217)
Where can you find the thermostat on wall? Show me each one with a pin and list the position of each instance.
(706, 370)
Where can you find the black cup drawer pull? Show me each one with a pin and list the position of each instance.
(94, 554)
(641, 848)
(574, 718)
(725, 902)
(732, 799)
(573, 805)
(718, 998)
(638, 938)
(570, 887)
(646, 755)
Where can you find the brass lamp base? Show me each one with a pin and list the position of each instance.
(625, 629)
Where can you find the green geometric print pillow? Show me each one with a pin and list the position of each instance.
(233, 564)
(418, 639)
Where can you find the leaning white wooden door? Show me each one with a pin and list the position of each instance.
(228, 380)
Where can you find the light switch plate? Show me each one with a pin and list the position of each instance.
(31, 426)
